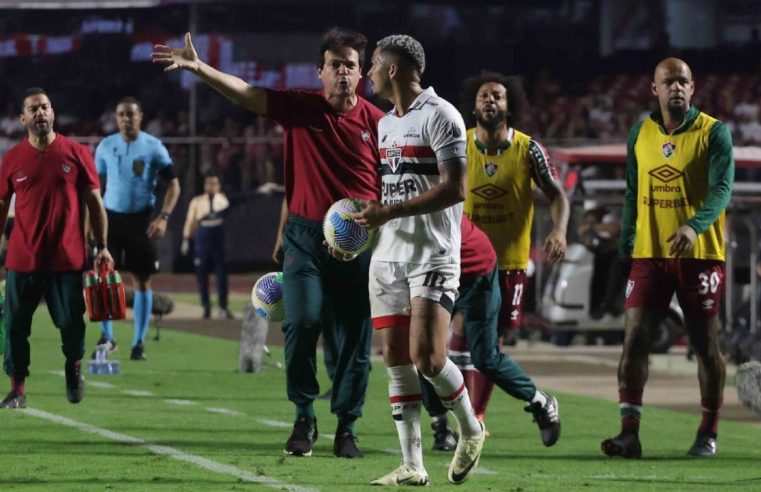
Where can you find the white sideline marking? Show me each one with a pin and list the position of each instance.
(169, 451)
(172, 401)
(99, 384)
(225, 411)
(275, 423)
(391, 451)
(94, 384)
(287, 425)
(137, 393)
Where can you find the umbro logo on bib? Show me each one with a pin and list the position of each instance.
(66, 168)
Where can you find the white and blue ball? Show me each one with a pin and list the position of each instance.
(267, 296)
(342, 233)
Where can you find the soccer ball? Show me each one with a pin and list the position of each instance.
(342, 233)
(267, 296)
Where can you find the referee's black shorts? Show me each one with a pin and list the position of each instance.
(129, 244)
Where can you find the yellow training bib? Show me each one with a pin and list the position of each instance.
(672, 185)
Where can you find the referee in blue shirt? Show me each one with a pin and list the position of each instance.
(128, 163)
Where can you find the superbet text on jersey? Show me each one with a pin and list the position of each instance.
(411, 148)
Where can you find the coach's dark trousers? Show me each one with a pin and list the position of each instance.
(325, 295)
(66, 305)
(210, 255)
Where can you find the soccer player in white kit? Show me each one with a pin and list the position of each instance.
(415, 268)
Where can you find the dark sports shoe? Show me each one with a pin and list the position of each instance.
(13, 400)
(206, 313)
(444, 438)
(625, 444)
(345, 446)
(104, 344)
(704, 446)
(303, 435)
(547, 417)
(138, 352)
(75, 382)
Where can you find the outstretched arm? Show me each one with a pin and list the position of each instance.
(233, 88)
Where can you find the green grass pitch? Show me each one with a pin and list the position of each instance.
(166, 401)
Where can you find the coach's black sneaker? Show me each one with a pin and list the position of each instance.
(303, 435)
(75, 382)
(547, 417)
(704, 447)
(206, 312)
(444, 438)
(13, 400)
(138, 352)
(625, 444)
(345, 445)
(104, 344)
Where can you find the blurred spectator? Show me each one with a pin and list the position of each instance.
(10, 124)
(599, 231)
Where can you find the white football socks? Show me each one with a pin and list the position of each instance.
(450, 386)
(539, 397)
(406, 397)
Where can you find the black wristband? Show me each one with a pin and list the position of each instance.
(165, 215)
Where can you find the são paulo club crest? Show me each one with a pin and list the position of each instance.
(393, 156)
(490, 168)
(365, 134)
(668, 149)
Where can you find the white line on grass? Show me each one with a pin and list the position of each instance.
(94, 384)
(169, 451)
(137, 393)
(225, 411)
(100, 384)
(275, 423)
(287, 425)
(173, 401)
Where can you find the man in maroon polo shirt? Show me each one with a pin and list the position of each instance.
(331, 152)
(53, 179)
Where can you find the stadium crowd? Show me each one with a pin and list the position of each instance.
(603, 109)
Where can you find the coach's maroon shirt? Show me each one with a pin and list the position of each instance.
(477, 256)
(48, 234)
(328, 155)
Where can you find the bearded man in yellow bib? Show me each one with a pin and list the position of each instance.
(679, 177)
(505, 166)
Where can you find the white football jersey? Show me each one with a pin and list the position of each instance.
(411, 147)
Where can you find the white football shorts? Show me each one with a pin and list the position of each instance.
(393, 285)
